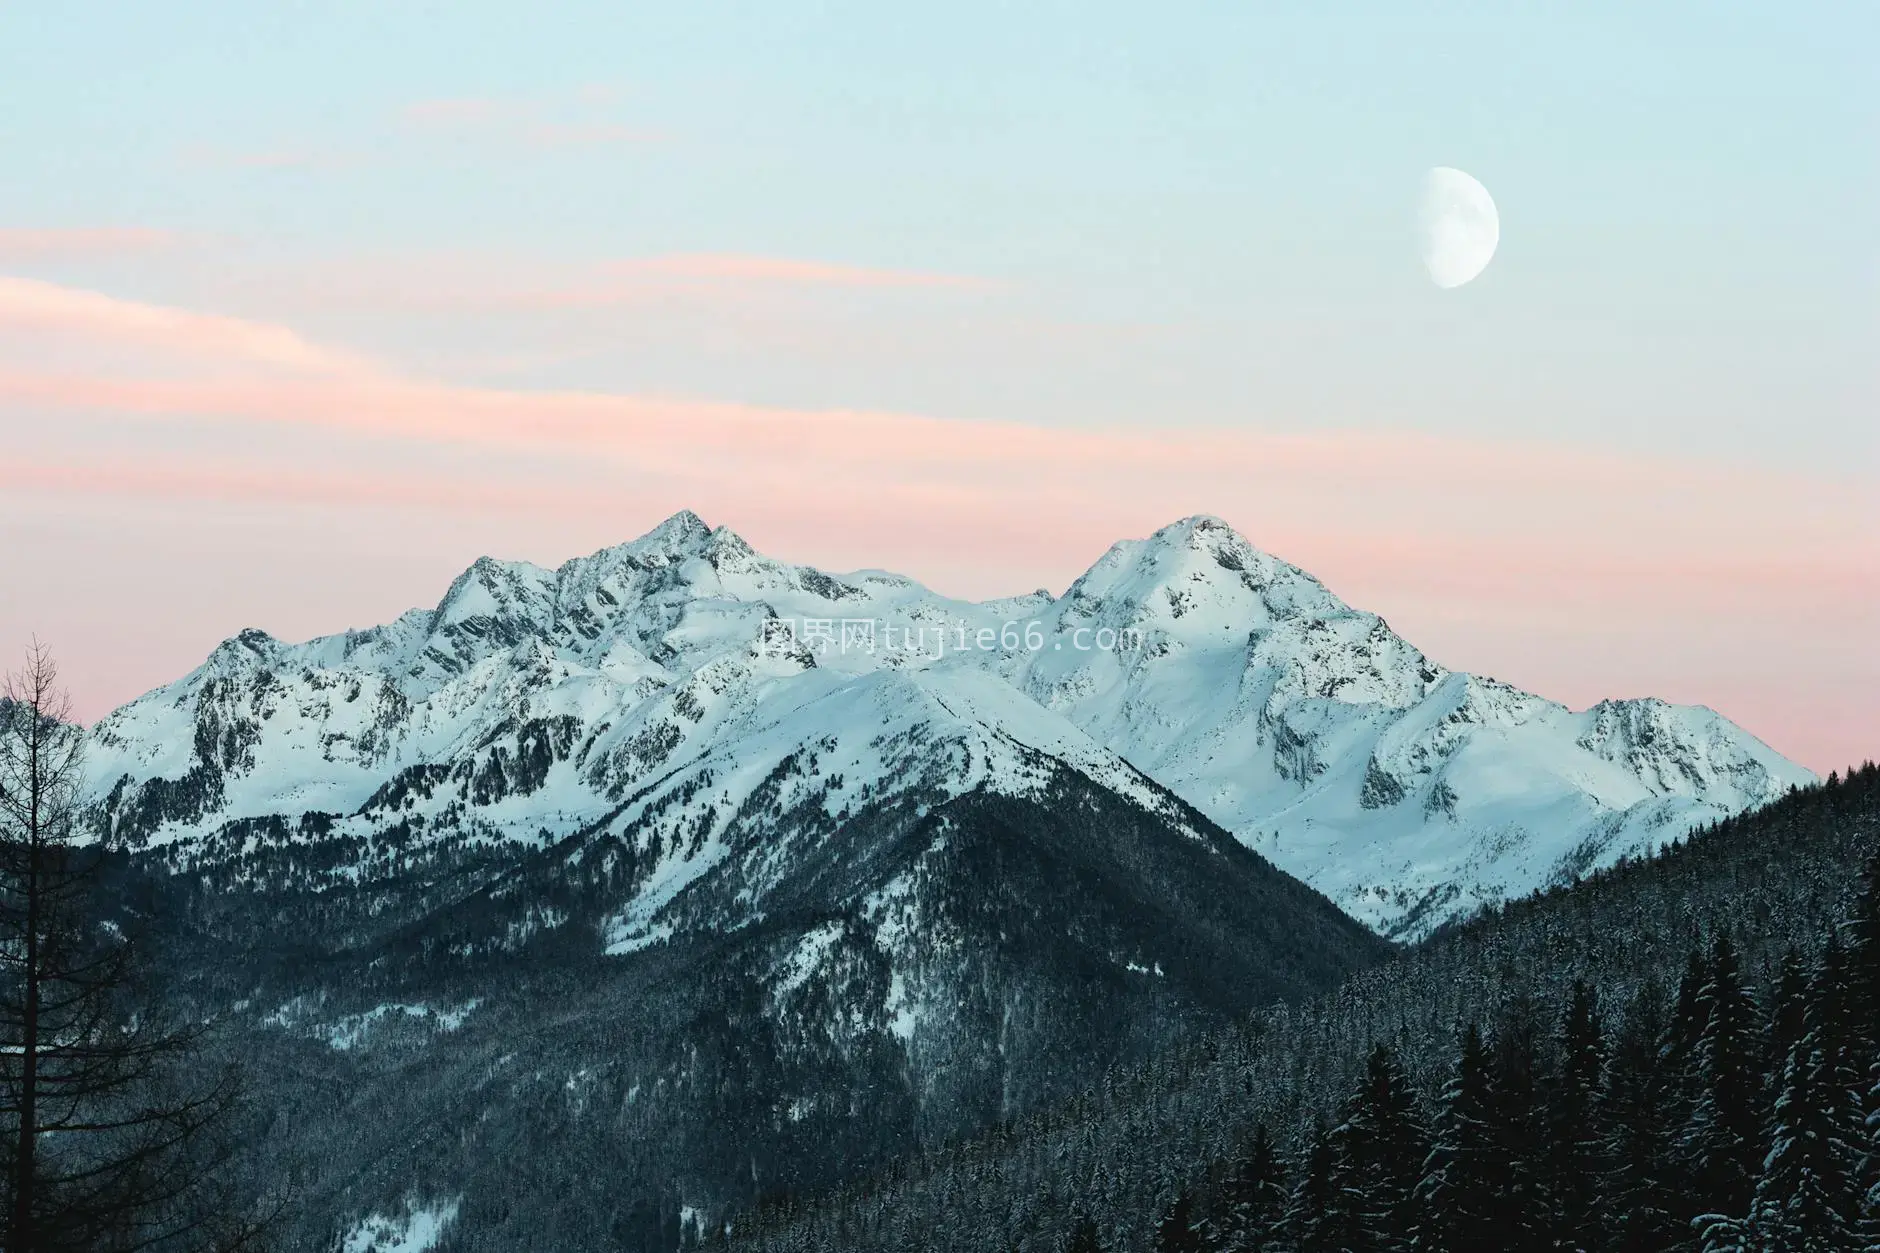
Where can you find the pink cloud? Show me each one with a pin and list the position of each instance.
(467, 286)
(1480, 543)
(31, 305)
(81, 241)
(291, 379)
(306, 384)
(232, 483)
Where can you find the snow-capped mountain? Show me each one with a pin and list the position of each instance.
(1407, 792)
(686, 693)
(693, 879)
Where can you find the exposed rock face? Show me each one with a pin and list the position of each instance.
(639, 687)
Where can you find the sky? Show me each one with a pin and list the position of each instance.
(303, 307)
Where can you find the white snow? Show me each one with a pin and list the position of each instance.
(353, 1031)
(1309, 729)
(805, 959)
(416, 1231)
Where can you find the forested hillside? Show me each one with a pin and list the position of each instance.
(456, 1036)
(1679, 1052)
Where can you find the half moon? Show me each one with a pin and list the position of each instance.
(1460, 227)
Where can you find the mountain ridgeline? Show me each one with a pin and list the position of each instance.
(530, 704)
(1682, 1052)
(930, 966)
(589, 909)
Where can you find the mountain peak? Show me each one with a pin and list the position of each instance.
(681, 528)
(682, 536)
(1199, 531)
(1200, 523)
(1228, 676)
(1202, 562)
(244, 646)
(1214, 537)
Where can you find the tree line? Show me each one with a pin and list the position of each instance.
(1675, 1053)
(1702, 1120)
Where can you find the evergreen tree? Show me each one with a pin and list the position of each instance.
(1252, 1200)
(1309, 1216)
(1721, 1142)
(1083, 1237)
(1464, 1177)
(1378, 1155)
(1640, 1187)
(1520, 1132)
(1788, 1019)
(1805, 1200)
(1178, 1231)
(1836, 1014)
(1576, 1164)
(1864, 959)
(1864, 982)
(1870, 1168)
(1687, 1016)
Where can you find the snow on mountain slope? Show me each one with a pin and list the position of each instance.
(1404, 791)
(641, 687)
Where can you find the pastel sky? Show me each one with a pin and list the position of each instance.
(304, 307)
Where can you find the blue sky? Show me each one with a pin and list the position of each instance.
(1687, 191)
(427, 244)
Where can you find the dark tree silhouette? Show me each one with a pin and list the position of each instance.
(1083, 1237)
(1177, 1231)
(1870, 1175)
(111, 1124)
(1805, 1197)
(1576, 1160)
(1253, 1198)
(1466, 1176)
(1379, 1150)
(1722, 1139)
(1308, 1216)
(1519, 1210)
(1640, 1184)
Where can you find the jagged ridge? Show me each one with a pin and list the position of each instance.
(636, 686)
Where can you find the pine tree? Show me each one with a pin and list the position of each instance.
(1083, 1236)
(1687, 1016)
(1807, 1197)
(1835, 1003)
(1177, 1232)
(1870, 1168)
(1864, 959)
(1576, 1164)
(1641, 1183)
(1805, 1200)
(1308, 1217)
(1788, 1019)
(1464, 1177)
(1378, 1155)
(1721, 1143)
(1252, 1200)
(1520, 1131)
(1864, 983)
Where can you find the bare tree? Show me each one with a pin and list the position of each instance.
(113, 1114)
